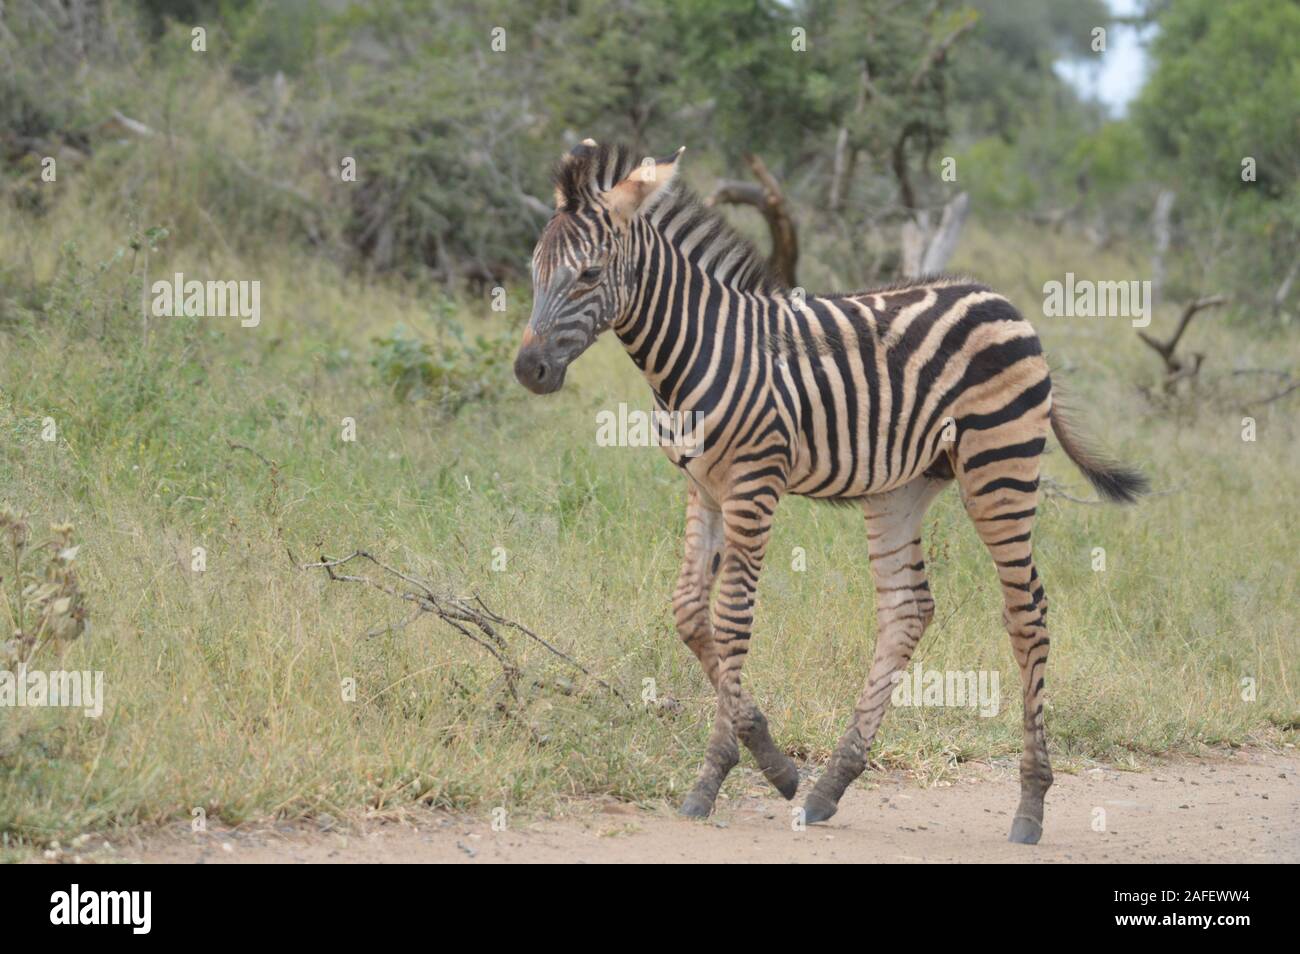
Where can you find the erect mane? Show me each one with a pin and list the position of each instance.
(717, 248)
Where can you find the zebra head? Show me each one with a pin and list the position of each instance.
(584, 278)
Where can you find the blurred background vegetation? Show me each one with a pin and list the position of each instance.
(454, 139)
(176, 433)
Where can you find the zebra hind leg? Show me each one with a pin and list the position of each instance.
(904, 608)
(1001, 498)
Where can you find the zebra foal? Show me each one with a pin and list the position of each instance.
(882, 398)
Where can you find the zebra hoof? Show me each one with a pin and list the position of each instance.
(1025, 830)
(818, 808)
(696, 805)
(785, 777)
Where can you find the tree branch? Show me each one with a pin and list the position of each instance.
(770, 201)
(1173, 365)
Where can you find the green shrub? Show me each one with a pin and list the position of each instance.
(453, 371)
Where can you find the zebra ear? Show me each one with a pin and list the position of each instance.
(581, 150)
(645, 185)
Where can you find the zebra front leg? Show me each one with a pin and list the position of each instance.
(704, 545)
(904, 608)
(739, 558)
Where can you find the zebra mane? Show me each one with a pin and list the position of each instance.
(717, 248)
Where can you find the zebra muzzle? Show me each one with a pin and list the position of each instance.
(538, 370)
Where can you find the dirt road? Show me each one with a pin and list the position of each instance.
(1239, 808)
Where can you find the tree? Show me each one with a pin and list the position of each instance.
(1222, 109)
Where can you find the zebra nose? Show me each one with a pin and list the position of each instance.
(535, 371)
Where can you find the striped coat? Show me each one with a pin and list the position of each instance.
(880, 398)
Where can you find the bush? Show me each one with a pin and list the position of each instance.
(453, 372)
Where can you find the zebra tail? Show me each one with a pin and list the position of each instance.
(1112, 481)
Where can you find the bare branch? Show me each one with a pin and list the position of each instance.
(1284, 289)
(1174, 366)
(535, 205)
(732, 192)
(1276, 396)
(471, 617)
(944, 242)
(768, 198)
(235, 445)
(1054, 490)
(133, 126)
(898, 161)
(845, 155)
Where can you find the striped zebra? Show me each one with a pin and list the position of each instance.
(880, 398)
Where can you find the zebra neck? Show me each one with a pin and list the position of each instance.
(685, 327)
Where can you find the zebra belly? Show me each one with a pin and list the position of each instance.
(851, 470)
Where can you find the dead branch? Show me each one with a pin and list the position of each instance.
(1241, 372)
(845, 155)
(471, 617)
(898, 161)
(125, 123)
(235, 445)
(1160, 220)
(1055, 490)
(1289, 385)
(1284, 289)
(1176, 368)
(944, 241)
(534, 205)
(931, 61)
(926, 251)
(770, 201)
(734, 192)
(1275, 396)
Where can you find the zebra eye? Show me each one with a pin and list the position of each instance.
(590, 274)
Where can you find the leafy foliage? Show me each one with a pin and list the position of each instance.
(456, 370)
(1225, 93)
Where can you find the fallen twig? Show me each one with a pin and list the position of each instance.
(469, 616)
(235, 445)
(1054, 490)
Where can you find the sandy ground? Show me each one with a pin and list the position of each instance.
(1243, 807)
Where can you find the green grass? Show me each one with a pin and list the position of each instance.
(223, 687)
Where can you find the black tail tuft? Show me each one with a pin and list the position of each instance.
(1112, 481)
(1117, 483)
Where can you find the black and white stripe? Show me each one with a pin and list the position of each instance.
(881, 397)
